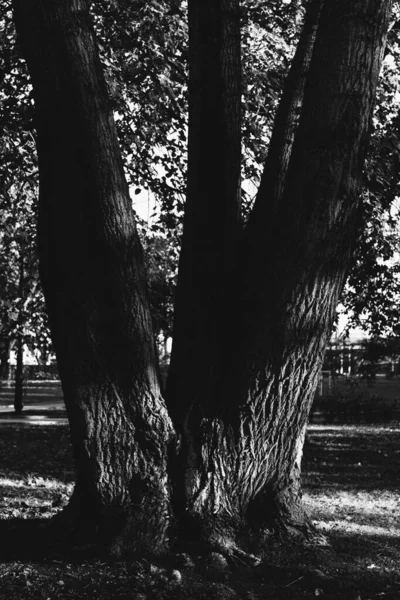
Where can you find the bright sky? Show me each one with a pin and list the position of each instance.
(144, 204)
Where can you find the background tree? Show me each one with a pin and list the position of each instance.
(239, 403)
(22, 310)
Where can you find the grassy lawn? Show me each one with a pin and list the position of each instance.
(352, 491)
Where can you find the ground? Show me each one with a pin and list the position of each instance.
(352, 492)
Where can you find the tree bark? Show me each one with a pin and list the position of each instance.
(4, 358)
(91, 267)
(241, 444)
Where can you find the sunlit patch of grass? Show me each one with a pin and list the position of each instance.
(366, 515)
(33, 482)
(375, 508)
(344, 430)
(30, 497)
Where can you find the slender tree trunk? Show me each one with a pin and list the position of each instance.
(19, 377)
(92, 272)
(244, 424)
(4, 359)
(19, 367)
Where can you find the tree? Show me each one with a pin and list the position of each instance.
(22, 311)
(224, 459)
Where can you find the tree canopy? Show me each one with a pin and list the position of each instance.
(143, 48)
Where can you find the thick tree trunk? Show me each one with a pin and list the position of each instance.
(91, 267)
(241, 442)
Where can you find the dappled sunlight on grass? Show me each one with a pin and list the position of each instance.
(349, 528)
(344, 430)
(352, 494)
(353, 457)
(363, 513)
(31, 497)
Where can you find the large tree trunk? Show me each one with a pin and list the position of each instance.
(255, 305)
(251, 366)
(91, 267)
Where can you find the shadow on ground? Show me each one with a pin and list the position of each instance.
(352, 484)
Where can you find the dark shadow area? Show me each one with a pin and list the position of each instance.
(31, 540)
(356, 456)
(28, 450)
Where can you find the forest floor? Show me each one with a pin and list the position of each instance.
(352, 491)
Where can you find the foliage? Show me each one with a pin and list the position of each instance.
(270, 31)
(161, 260)
(372, 295)
(143, 47)
(22, 310)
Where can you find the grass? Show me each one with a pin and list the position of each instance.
(389, 389)
(352, 492)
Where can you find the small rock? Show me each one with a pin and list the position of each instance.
(140, 596)
(175, 577)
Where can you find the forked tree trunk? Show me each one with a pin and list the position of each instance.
(255, 305)
(91, 267)
(241, 442)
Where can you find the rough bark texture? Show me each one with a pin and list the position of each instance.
(242, 444)
(92, 272)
